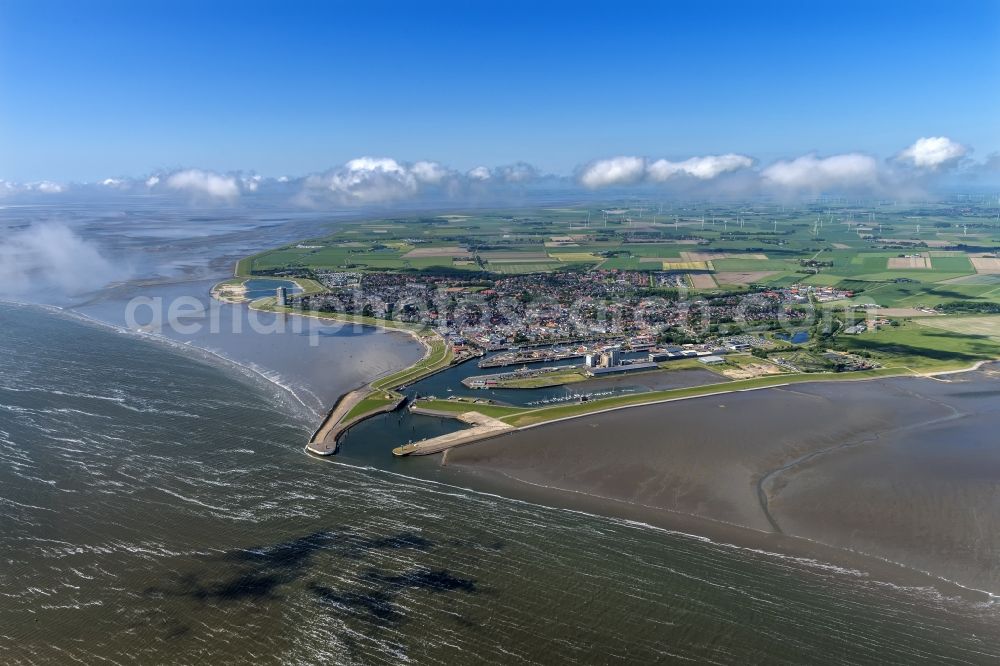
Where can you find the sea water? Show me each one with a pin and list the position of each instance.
(156, 507)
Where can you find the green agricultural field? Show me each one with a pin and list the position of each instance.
(570, 257)
(921, 347)
(629, 264)
(920, 294)
(954, 264)
(519, 241)
(986, 326)
(822, 280)
(517, 269)
(750, 265)
(908, 256)
(662, 251)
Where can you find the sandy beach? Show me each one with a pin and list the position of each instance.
(906, 470)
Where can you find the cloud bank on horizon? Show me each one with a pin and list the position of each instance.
(809, 173)
(626, 170)
(368, 180)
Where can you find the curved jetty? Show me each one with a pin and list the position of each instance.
(380, 395)
(324, 440)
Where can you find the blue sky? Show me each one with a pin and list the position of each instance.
(96, 89)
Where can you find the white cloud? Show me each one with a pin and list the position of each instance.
(371, 164)
(370, 180)
(204, 183)
(621, 170)
(46, 187)
(702, 168)
(430, 173)
(625, 170)
(479, 173)
(367, 180)
(519, 172)
(816, 174)
(933, 152)
(50, 257)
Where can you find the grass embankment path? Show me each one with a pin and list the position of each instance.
(560, 412)
(244, 268)
(521, 417)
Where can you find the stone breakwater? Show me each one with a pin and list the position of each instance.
(483, 427)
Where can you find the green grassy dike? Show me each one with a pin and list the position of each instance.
(307, 285)
(371, 404)
(541, 415)
(244, 268)
(522, 416)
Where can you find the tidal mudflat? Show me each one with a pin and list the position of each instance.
(905, 469)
